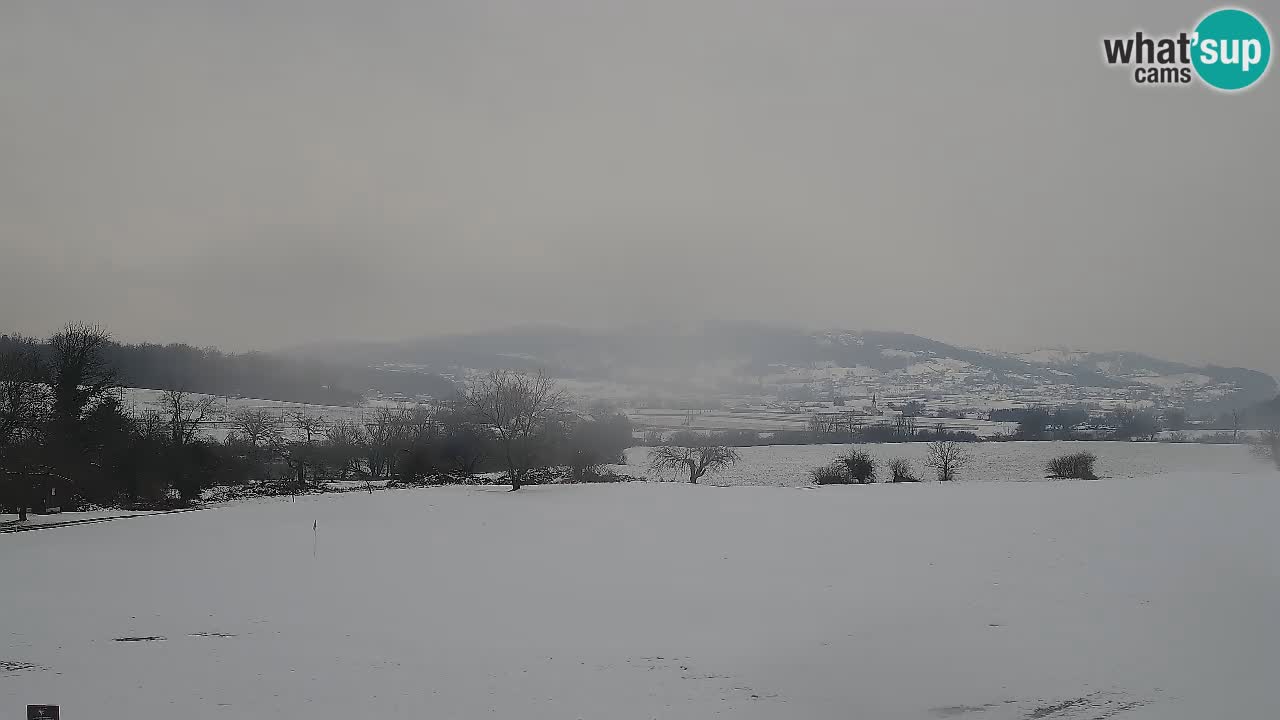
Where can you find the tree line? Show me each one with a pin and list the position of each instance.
(908, 426)
(66, 441)
(1130, 423)
(253, 374)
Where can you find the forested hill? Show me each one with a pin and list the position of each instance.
(254, 374)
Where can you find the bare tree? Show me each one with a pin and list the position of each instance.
(23, 397)
(466, 442)
(822, 425)
(851, 421)
(381, 441)
(309, 426)
(519, 409)
(302, 453)
(904, 426)
(183, 412)
(420, 422)
(947, 457)
(23, 410)
(179, 418)
(345, 438)
(698, 458)
(257, 426)
(262, 432)
(79, 371)
(151, 424)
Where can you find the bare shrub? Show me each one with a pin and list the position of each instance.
(833, 473)
(860, 466)
(1075, 465)
(901, 471)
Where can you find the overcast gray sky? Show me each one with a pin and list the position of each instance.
(258, 174)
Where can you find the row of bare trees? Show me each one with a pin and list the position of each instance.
(66, 441)
(407, 442)
(851, 427)
(513, 421)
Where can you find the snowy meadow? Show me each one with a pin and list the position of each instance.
(1135, 597)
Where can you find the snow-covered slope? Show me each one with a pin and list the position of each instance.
(1144, 599)
(762, 361)
(1178, 381)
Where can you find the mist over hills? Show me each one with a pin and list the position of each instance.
(746, 363)
(766, 360)
(265, 376)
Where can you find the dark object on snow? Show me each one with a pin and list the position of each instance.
(852, 468)
(860, 466)
(901, 471)
(832, 473)
(1076, 465)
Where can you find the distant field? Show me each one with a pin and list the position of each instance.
(772, 420)
(140, 400)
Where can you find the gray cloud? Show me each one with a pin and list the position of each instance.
(261, 174)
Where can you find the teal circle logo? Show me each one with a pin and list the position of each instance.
(1231, 49)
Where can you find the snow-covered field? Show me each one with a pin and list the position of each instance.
(998, 461)
(1145, 598)
(765, 420)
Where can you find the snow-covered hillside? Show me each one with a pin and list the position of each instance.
(1143, 599)
(757, 362)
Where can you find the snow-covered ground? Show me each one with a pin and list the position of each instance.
(1137, 599)
(998, 462)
